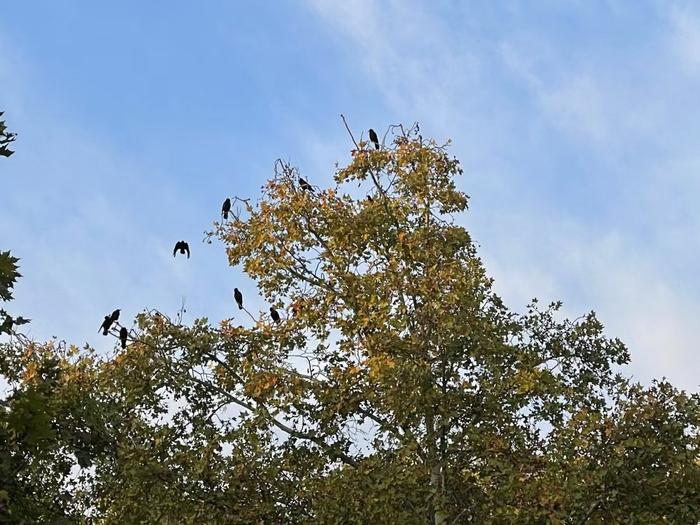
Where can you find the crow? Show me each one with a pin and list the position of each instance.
(183, 247)
(106, 324)
(123, 333)
(226, 208)
(275, 315)
(115, 315)
(373, 137)
(238, 296)
(305, 185)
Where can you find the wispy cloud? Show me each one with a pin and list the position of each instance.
(599, 111)
(685, 37)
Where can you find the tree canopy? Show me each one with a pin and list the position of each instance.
(397, 387)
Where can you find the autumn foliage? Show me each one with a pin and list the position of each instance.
(397, 388)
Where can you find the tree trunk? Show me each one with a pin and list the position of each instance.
(439, 516)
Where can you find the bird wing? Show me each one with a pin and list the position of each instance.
(177, 247)
(305, 185)
(106, 324)
(187, 249)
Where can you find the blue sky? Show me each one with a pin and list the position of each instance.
(577, 123)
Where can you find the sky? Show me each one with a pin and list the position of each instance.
(577, 124)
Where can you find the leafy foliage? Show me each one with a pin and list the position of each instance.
(51, 428)
(8, 264)
(8, 278)
(397, 388)
(6, 138)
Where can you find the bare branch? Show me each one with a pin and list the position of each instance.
(349, 132)
(590, 511)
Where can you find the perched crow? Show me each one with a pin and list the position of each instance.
(106, 324)
(238, 296)
(369, 198)
(305, 185)
(123, 333)
(226, 208)
(183, 247)
(275, 315)
(373, 137)
(115, 315)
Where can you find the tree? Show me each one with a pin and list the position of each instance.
(398, 388)
(50, 425)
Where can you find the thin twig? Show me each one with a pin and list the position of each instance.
(590, 511)
(349, 132)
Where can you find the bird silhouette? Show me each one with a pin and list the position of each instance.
(373, 137)
(115, 315)
(106, 324)
(183, 247)
(275, 315)
(305, 185)
(123, 333)
(226, 208)
(238, 296)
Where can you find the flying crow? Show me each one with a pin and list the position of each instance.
(373, 137)
(238, 296)
(183, 247)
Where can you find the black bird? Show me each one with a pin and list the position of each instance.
(115, 315)
(305, 185)
(183, 247)
(106, 324)
(275, 315)
(369, 198)
(373, 137)
(123, 333)
(226, 208)
(238, 296)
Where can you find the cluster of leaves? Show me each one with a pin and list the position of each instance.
(52, 425)
(6, 138)
(8, 277)
(8, 263)
(398, 388)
